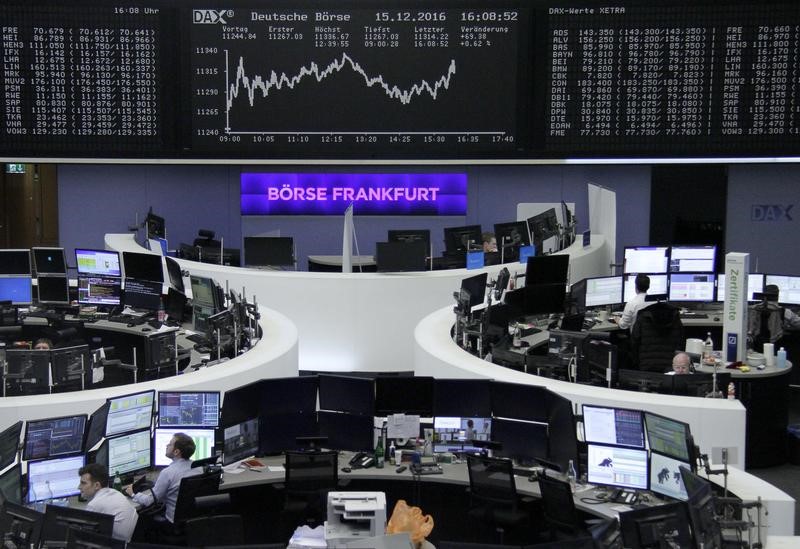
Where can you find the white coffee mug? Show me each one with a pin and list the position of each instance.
(769, 354)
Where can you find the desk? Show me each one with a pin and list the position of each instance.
(333, 263)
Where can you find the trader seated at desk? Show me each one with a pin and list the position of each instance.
(636, 304)
(42, 344)
(681, 364)
(93, 486)
(179, 450)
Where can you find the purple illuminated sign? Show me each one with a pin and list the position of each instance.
(370, 193)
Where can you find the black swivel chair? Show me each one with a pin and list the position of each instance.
(309, 478)
(656, 335)
(493, 494)
(765, 324)
(191, 489)
(81, 539)
(558, 508)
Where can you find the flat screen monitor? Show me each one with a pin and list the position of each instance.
(543, 225)
(287, 395)
(665, 476)
(129, 413)
(510, 236)
(27, 521)
(561, 427)
(16, 289)
(597, 356)
(603, 291)
(9, 444)
(175, 274)
(99, 290)
(188, 408)
(49, 261)
(97, 426)
(155, 226)
(519, 401)
(59, 475)
(694, 287)
(204, 292)
(11, 485)
(646, 259)
(60, 521)
(692, 259)
(398, 257)
(614, 426)
(755, 285)
(203, 444)
(279, 433)
(463, 239)
(410, 235)
(54, 437)
(523, 441)
(455, 434)
(476, 286)
(143, 266)
(142, 294)
(548, 269)
(347, 431)
(541, 299)
(462, 397)
(660, 526)
(266, 251)
(658, 286)
(129, 453)
(404, 394)
(52, 290)
(617, 466)
(244, 402)
(667, 436)
(15, 262)
(355, 395)
(240, 441)
(30, 371)
(789, 287)
(70, 368)
(97, 262)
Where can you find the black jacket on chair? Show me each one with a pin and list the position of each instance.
(656, 335)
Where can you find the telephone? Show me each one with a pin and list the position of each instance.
(627, 497)
(361, 460)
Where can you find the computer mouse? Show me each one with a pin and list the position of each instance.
(145, 329)
(716, 319)
(346, 469)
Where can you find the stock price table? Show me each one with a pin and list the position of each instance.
(660, 79)
(363, 81)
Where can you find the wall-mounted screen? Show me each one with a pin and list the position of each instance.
(646, 259)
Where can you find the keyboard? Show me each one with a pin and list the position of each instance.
(694, 315)
(426, 470)
(197, 338)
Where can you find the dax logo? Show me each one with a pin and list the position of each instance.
(771, 212)
(211, 17)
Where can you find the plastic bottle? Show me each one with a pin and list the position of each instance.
(117, 482)
(392, 458)
(781, 358)
(708, 350)
(379, 454)
(731, 391)
(48, 492)
(572, 475)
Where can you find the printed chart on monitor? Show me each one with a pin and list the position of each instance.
(366, 81)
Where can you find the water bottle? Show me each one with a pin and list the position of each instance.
(392, 457)
(48, 492)
(379, 454)
(572, 475)
(117, 485)
(781, 358)
(708, 350)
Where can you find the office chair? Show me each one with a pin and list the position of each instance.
(309, 478)
(493, 494)
(192, 488)
(215, 530)
(81, 539)
(656, 334)
(558, 507)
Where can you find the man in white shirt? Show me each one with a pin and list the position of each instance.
(102, 499)
(179, 450)
(636, 304)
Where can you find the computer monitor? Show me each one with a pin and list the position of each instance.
(543, 225)
(59, 521)
(476, 286)
(11, 485)
(142, 294)
(789, 287)
(455, 434)
(99, 290)
(510, 236)
(755, 285)
(129, 413)
(397, 257)
(658, 286)
(462, 397)
(404, 394)
(71, 368)
(9, 444)
(15, 262)
(598, 360)
(49, 261)
(129, 453)
(646, 259)
(54, 437)
(525, 442)
(279, 433)
(268, 251)
(519, 401)
(23, 525)
(175, 305)
(462, 239)
(28, 372)
(655, 527)
(204, 292)
(561, 428)
(244, 402)
(603, 291)
(97, 426)
(410, 235)
(548, 269)
(692, 259)
(52, 290)
(16, 289)
(188, 408)
(143, 266)
(691, 287)
(285, 396)
(641, 380)
(541, 299)
(175, 274)
(347, 431)
(240, 441)
(665, 476)
(702, 510)
(355, 395)
(203, 444)
(614, 426)
(54, 478)
(98, 262)
(618, 466)
(667, 436)
(155, 226)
